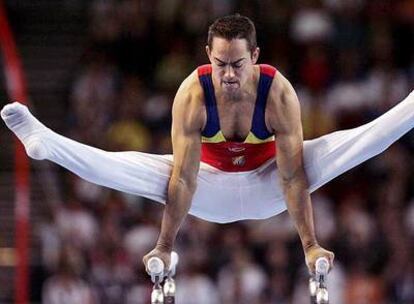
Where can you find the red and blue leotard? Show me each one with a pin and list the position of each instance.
(258, 147)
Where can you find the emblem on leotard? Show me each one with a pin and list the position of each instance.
(239, 160)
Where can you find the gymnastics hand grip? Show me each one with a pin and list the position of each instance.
(173, 263)
(321, 271)
(322, 266)
(155, 268)
(321, 275)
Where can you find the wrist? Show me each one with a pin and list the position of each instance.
(164, 246)
(309, 245)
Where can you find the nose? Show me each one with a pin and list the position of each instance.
(229, 72)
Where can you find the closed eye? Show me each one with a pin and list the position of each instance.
(235, 64)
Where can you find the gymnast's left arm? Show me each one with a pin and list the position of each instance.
(188, 117)
(285, 119)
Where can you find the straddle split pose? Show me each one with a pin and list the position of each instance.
(238, 149)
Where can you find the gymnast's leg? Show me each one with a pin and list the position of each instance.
(132, 172)
(331, 155)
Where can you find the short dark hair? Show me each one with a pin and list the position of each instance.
(233, 27)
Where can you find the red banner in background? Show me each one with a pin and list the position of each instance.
(16, 88)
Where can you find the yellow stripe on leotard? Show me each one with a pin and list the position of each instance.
(218, 138)
(252, 139)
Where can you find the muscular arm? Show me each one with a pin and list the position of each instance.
(286, 122)
(186, 141)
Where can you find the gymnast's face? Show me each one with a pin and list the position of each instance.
(232, 64)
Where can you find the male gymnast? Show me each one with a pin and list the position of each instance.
(238, 149)
(227, 114)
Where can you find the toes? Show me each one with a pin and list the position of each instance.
(6, 111)
(11, 108)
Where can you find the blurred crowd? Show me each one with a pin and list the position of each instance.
(349, 60)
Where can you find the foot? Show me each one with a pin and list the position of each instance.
(27, 128)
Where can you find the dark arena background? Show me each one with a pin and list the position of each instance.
(105, 72)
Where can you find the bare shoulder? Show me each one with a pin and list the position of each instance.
(191, 87)
(282, 92)
(283, 110)
(188, 106)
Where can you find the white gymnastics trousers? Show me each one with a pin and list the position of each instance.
(220, 197)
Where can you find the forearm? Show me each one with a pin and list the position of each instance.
(300, 208)
(180, 194)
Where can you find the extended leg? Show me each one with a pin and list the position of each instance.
(331, 155)
(133, 172)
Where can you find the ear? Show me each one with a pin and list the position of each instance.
(255, 55)
(208, 51)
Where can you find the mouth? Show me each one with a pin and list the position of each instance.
(230, 84)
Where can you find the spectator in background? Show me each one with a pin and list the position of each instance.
(311, 22)
(104, 25)
(95, 85)
(173, 67)
(194, 285)
(77, 226)
(385, 83)
(111, 273)
(242, 281)
(50, 240)
(66, 286)
(127, 132)
(347, 94)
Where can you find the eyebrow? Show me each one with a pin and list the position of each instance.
(234, 62)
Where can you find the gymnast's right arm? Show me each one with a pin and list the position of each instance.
(188, 117)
